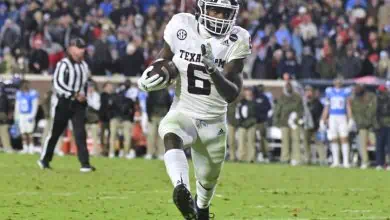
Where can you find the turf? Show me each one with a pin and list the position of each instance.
(139, 189)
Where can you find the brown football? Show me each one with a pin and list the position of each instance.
(166, 69)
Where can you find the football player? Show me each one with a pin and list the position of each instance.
(336, 113)
(26, 108)
(209, 52)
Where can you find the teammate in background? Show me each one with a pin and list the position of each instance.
(338, 115)
(209, 52)
(26, 108)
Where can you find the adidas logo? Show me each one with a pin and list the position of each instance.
(221, 132)
(225, 43)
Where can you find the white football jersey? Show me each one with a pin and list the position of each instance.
(196, 94)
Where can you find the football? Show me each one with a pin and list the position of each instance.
(164, 68)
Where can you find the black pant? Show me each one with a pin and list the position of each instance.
(103, 139)
(382, 140)
(66, 110)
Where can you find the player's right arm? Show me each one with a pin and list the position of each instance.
(166, 52)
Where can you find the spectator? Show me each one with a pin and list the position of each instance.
(283, 34)
(326, 67)
(364, 118)
(39, 59)
(8, 65)
(246, 115)
(308, 30)
(102, 55)
(232, 122)
(107, 7)
(349, 66)
(384, 16)
(382, 127)
(4, 134)
(263, 106)
(157, 106)
(132, 64)
(123, 117)
(93, 108)
(262, 64)
(289, 65)
(297, 45)
(107, 109)
(3, 14)
(121, 11)
(287, 115)
(308, 66)
(10, 35)
(384, 66)
(309, 133)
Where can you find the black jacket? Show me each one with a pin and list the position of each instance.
(107, 107)
(262, 107)
(124, 107)
(42, 58)
(158, 103)
(3, 105)
(131, 65)
(308, 68)
(289, 66)
(315, 107)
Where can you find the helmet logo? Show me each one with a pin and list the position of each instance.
(181, 34)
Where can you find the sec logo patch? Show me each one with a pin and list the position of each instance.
(181, 34)
(233, 37)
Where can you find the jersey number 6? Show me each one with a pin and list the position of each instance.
(197, 85)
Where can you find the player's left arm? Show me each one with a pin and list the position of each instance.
(229, 82)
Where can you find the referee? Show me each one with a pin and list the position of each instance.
(70, 85)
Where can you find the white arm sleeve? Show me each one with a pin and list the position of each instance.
(171, 31)
(241, 48)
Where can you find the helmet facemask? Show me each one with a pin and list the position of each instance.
(217, 26)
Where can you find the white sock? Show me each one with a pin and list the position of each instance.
(345, 149)
(335, 152)
(31, 146)
(177, 167)
(25, 147)
(204, 196)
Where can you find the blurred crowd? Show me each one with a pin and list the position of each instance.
(302, 38)
(319, 39)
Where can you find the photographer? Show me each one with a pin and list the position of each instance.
(123, 117)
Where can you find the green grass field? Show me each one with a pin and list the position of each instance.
(139, 189)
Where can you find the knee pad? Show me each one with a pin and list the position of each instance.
(172, 141)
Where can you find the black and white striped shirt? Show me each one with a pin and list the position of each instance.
(70, 77)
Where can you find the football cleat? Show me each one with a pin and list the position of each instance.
(87, 169)
(43, 165)
(184, 202)
(203, 214)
